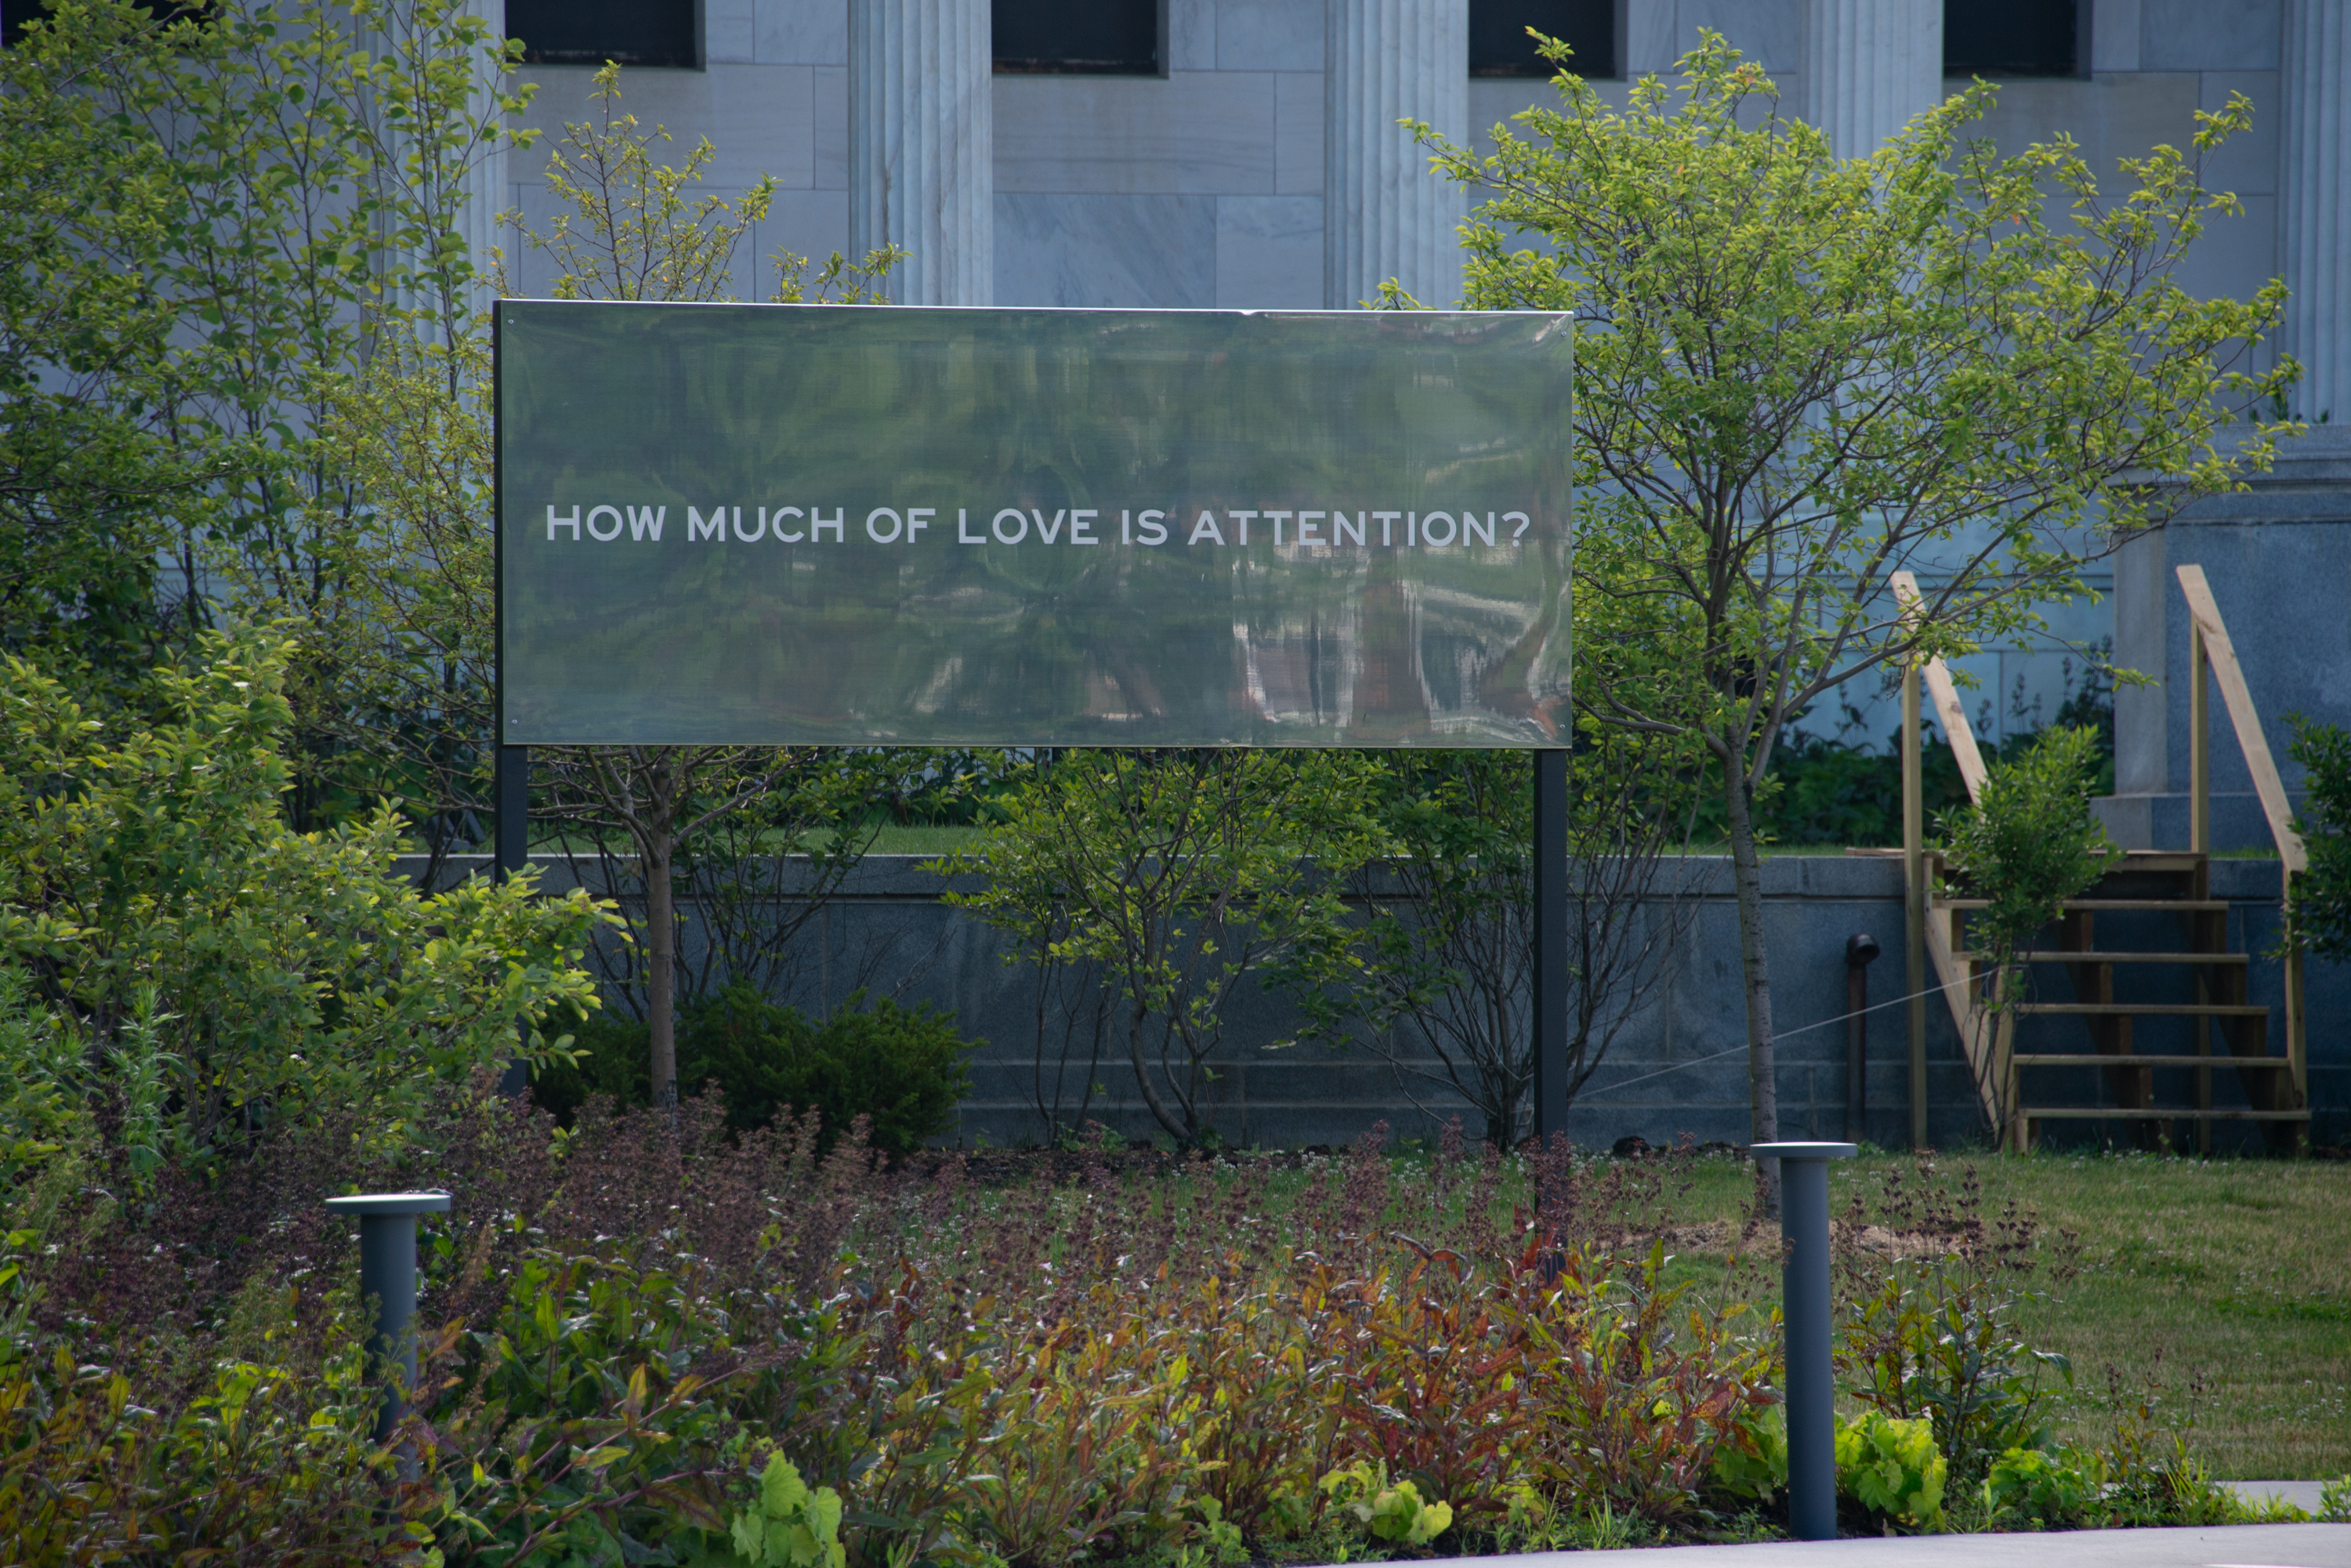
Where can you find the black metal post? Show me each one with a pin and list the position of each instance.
(1804, 1323)
(388, 1273)
(1550, 1087)
(1860, 951)
(513, 830)
(513, 846)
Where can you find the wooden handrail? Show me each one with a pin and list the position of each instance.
(1987, 1057)
(2208, 644)
(2222, 656)
(1956, 728)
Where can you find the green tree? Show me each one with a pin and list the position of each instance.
(630, 230)
(1799, 374)
(217, 221)
(1447, 939)
(220, 969)
(87, 467)
(1179, 874)
(2318, 908)
(2025, 847)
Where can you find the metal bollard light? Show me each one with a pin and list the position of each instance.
(388, 1272)
(1805, 1321)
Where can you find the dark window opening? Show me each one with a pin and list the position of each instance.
(20, 12)
(1498, 44)
(590, 32)
(2011, 38)
(1078, 38)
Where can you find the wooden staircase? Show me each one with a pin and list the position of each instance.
(2151, 1002)
(2150, 1013)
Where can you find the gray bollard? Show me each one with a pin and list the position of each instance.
(388, 1272)
(1804, 1316)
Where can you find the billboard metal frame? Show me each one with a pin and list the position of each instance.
(511, 792)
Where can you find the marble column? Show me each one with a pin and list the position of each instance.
(922, 146)
(1385, 214)
(487, 194)
(1868, 66)
(2314, 208)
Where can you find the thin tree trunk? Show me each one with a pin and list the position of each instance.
(1136, 1017)
(1747, 881)
(661, 964)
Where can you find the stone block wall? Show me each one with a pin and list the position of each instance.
(2277, 557)
(1678, 1068)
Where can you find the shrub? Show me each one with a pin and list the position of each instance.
(2319, 917)
(220, 971)
(262, 1466)
(1751, 1465)
(1179, 873)
(1891, 1468)
(903, 1068)
(2059, 1488)
(1934, 1336)
(2335, 1501)
(1942, 1348)
(786, 1525)
(2031, 843)
(1394, 1514)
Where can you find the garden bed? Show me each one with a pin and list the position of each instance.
(641, 1336)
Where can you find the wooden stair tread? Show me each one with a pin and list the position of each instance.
(2146, 1009)
(2096, 955)
(2099, 1058)
(2154, 1114)
(2103, 905)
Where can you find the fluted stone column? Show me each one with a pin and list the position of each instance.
(487, 195)
(2314, 209)
(922, 146)
(1869, 66)
(1385, 214)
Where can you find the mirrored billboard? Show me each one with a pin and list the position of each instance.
(890, 526)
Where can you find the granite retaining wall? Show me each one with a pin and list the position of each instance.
(1678, 1067)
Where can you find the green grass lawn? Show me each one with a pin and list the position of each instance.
(2223, 1284)
(923, 840)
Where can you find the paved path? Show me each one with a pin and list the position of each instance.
(2304, 1495)
(2234, 1546)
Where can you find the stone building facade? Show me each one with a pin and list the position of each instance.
(1250, 160)
(1246, 157)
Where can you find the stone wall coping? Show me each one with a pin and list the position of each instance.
(1833, 877)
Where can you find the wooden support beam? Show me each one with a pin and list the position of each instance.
(2231, 677)
(2210, 644)
(1947, 708)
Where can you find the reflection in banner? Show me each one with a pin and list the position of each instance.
(880, 526)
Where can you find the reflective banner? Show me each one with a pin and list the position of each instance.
(885, 526)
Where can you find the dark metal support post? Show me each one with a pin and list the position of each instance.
(513, 844)
(1860, 952)
(388, 1273)
(1551, 1086)
(513, 832)
(1804, 1323)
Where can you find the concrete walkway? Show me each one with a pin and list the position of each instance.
(2304, 1495)
(2232, 1546)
